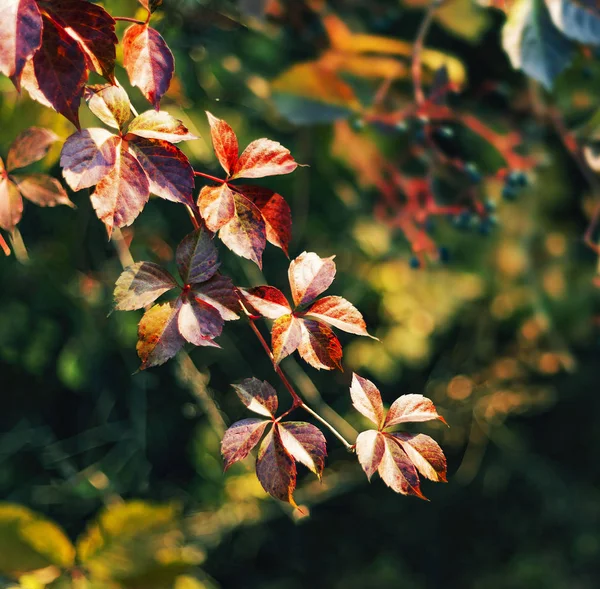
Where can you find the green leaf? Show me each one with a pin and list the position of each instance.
(29, 542)
(534, 44)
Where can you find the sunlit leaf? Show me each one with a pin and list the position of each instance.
(268, 301)
(148, 61)
(276, 214)
(11, 204)
(141, 284)
(198, 321)
(29, 146)
(219, 292)
(197, 257)
(169, 172)
(159, 337)
(88, 156)
(579, 20)
(110, 104)
(122, 194)
(43, 190)
(29, 542)
(370, 446)
(286, 336)
(319, 346)
(275, 468)
(160, 125)
(245, 233)
(411, 408)
(20, 35)
(366, 399)
(397, 471)
(305, 443)
(425, 453)
(241, 438)
(340, 313)
(309, 276)
(264, 157)
(217, 205)
(259, 396)
(224, 141)
(533, 43)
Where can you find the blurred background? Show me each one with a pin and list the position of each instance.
(500, 329)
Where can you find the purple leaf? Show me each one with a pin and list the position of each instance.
(141, 284)
(258, 396)
(239, 440)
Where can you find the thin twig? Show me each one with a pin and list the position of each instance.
(122, 248)
(209, 177)
(417, 73)
(337, 434)
(129, 19)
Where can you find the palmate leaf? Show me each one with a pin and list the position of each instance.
(309, 276)
(305, 443)
(534, 44)
(241, 438)
(29, 146)
(258, 396)
(122, 194)
(148, 61)
(20, 35)
(140, 285)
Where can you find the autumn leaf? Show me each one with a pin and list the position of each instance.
(397, 456)
(110, 104)
(217, 205)
(219, 292)
(197, 258)
(11, 204)
(122, 194)
(29, 146)
(20, 36)
(267, 301)
(264, 157)
(305, 443)
(286, 336)
(245, 233)
(148, 61)
(241, 438)
(160, 125)
(141, 284)
(275, 468)
(258, 396)
(158, 333)
(319, 346)
(224, 141)
(42, 190)
(338, 312)
(199, 323)
(310, 276)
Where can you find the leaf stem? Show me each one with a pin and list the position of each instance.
(417, 70)
(4, 246)
(128, 19)
(209, 177)
(337, 434)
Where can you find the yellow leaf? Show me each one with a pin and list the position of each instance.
(29, 542)
(365, 66)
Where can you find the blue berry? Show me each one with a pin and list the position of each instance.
(489, 205)
(472, 172)
(444, 254)
(357, 124)
(517, 179)
(509, 193)
(414, 263)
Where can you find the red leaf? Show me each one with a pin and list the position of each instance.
(275, 468)
(217, 206)
(11, 204)
(87, 156)
(219, 292)
(340, 313)
(245, 233)
(197, 257)
(121, 195)
(276, 213)
(148, 61)
(43, 190)
(20, 36)
(159, 337)
(425, 454)
(267, 301)
(319, 346)
(397, 471)
(141, 284)
(199, 321)
(241, 437)
(109, 103)
(168, 169)
(224, 141)
(29, 146)
(309, 276)
(411, 408)
(367, 399)
(57, 73)
(160, 125)
(305, 443)
(370, 446)
(92, 27)
(286, 336)
(264, 157)
(259, 396)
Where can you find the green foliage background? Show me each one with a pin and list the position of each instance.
(514, 316)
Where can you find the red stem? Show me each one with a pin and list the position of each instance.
(213, 178)
(128, 19)
(4, 246)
